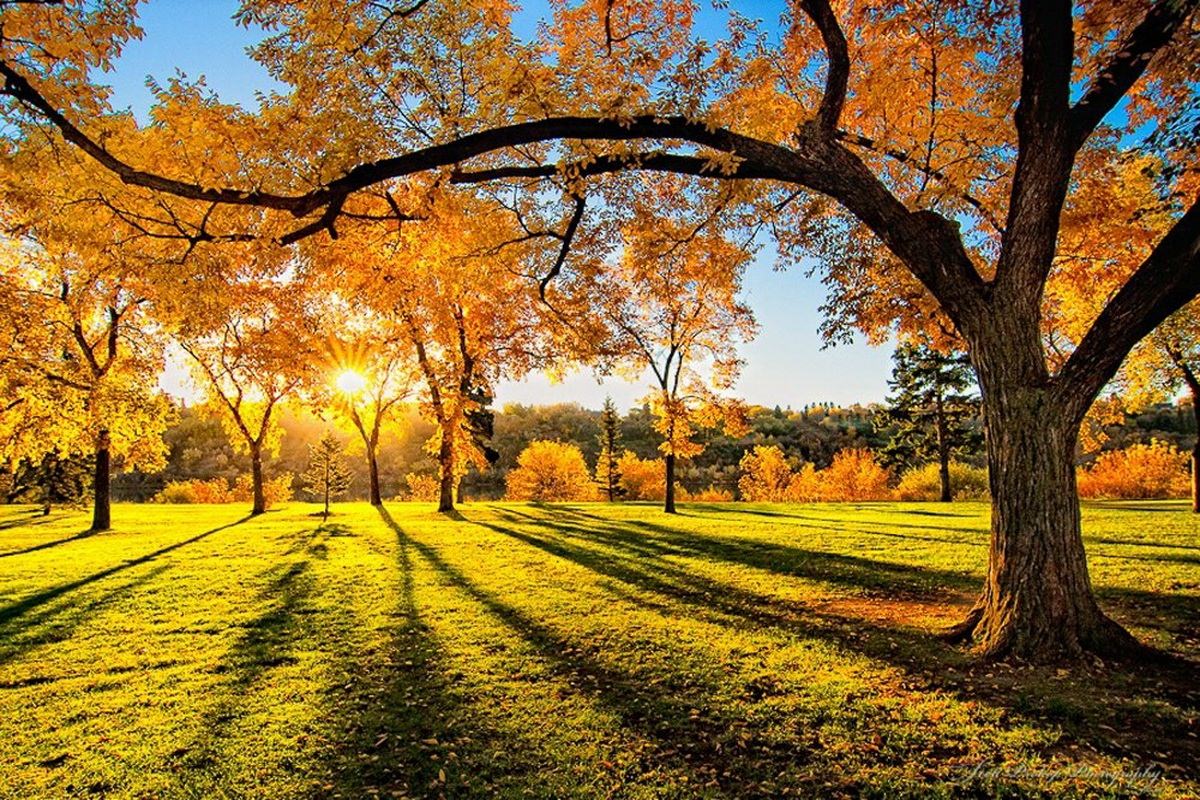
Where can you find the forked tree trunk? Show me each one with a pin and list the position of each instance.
(102, 484)
(446, 467)
(1037, 602)
(669, 500)
(256, 479)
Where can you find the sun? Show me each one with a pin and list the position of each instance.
(351, 382)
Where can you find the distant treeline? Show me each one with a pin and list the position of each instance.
(201, 450)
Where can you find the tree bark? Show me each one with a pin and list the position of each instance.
(943, 453)
(102, 484)
(375, 497)
(1037, 602)
(669, 500)
(256, 478)
(446, 467)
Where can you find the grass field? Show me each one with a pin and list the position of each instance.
(571, 651)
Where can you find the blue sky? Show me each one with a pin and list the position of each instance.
(785, 365)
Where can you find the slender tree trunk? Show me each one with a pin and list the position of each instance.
(669, 503)
(1037, 602)
(102, 484)
(326, 515)
(459, 496)
(446, 465)
(943, 454)
(1196, 456)
(375, 497)
(256, 479)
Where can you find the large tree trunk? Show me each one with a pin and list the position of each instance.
(446, 466)
(669, 501)
(256, 479)
(375, 497)
(1037, 602)
(102, 484)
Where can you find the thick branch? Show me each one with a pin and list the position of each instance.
(1127, 64)
(1166, 281)
(838, 71)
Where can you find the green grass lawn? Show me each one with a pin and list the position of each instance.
(571, 651)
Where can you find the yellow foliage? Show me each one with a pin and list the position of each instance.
(855, 475)
(1142, 471)
(709, 495)
(642, 478)
(422, 488)
(925, 483)
(276, 490)
(215, 490)
(550, 472)
(766, 475)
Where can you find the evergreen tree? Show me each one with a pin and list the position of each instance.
(933, 410)
(52, 480)
(327, 475)
(608, 474)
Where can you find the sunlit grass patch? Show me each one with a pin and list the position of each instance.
(568, 651)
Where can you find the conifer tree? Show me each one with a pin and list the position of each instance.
(327, 476)
(608, 472)
(932, 409)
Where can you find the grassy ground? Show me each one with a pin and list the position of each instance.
(571, 651)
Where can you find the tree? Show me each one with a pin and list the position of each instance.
(81, 360)
(931, 408)
(670, 305)
(956, 191)
(242, 339)
(550, 472)
(51, 480)
(372, 377)
(608, 469)
(327, 476)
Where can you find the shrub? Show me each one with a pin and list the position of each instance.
(855, 475)
(550, 472)
(709, 494)
(215, 490)
(422, 488)
(1139, 472)
(925, 483)
(765, 475)
(275, 490)
(642, 478)
(805, 486)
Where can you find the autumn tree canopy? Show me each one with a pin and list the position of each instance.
(933, 156)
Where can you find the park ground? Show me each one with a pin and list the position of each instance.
(519, 650)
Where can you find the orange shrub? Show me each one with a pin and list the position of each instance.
(276, 490)
(765, 475)
(422, 488)
(805, 486)
(642, 478)
(550, 472)
(709, 495)
(1139, 472)
(215, 490)
(855, 475)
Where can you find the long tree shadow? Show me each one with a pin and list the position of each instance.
(412, 716)
(658, 706)
(1118, 720)
(267, 642)
(21, 607)
(57, 623)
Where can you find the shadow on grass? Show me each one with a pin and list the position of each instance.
(12, 612)
(658, 707)
(47, 545)
(1147, 711)
(411, 724)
